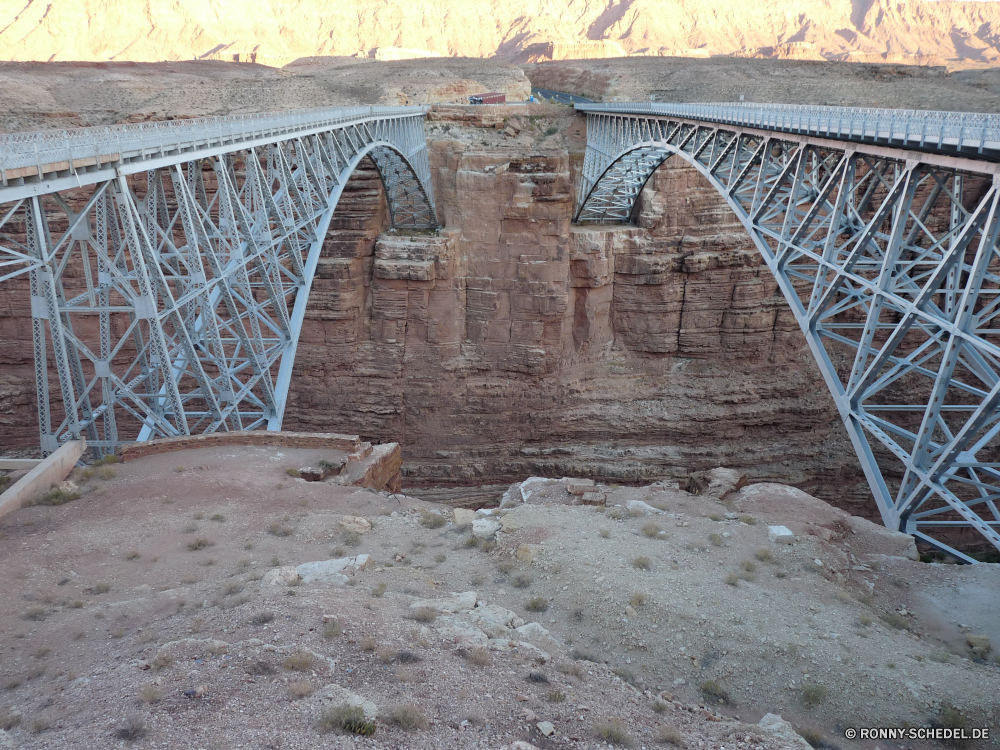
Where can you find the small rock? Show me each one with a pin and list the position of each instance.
(357, 524)
(528, 715)
(546, 728)
(463, 517)
(630, 611)
(143, 665)
(67, 486)
(520, 697)
(522, 745)
(282, 576)
(330, 618)
(641, 508)
(593, 498)
(980, 645)
(198, 692)
(780, 534)
(485, 528)
(579, 486)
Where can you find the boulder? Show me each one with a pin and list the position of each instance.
(357, 524)
(980, 645)
(312, 473)
(775, 725)
(546, 728)
(579, 486)
(593, 498)
(331, 571)
(494, 620)
(453, 603)
(286, 575)
(463, 517)
(723, 481)
(538, 636)
(485, 528)
(508, 524)
(460, 633)
(780, 534)
(639, 508)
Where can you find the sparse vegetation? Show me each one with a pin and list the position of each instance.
(638, 599)
(813, 695)
(217, 517)
(651, 529)
(478, 656)
(605, 533)
(57, 496)
(440, 557)
(368, 644)
(521, 581)
(292, 472)
(626, 675)
(36, 614)
(895, 620)
(431, 520)
(570, 668)
(613, 730)
(261, 618)
(106, 472)
(713, 691)
(473, 541)
(668, 735)
(199, 543)
(642, 562)
(615, 514)
(716, 540)
(300, 661)
(133, 555)
(162, 661)
(133, 728)
(346, 718)
(380, 589)
(732, 579)
(300, 689)
(405, 716)
(555, 696)
(764, 555)
(280, 530)
(537, 604)
(332, 630)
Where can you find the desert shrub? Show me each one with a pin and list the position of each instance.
(133, 728)
(292, 472)
(521, 581)
(431, 520)
(537, 604)
(368, 644)
(133, 555)
(605, 533)
(555, 696)
(405, 716)
(668, 735)
(749, 520)
(36, 614)
(581, 655)
(332, 630)
(261, 618)
(615, 514)
(424, 614)
(280, 530)
(199, 543)
(109, 459)
(626, 675)
(57, 496)
(764, 555)
(300, 661)
(217, 517)
(440, 558)
(478, 656)
(4, 481)
(894, 619)
(864, 620)
(732, 579)
(380, 589)
(642, 562)
(749, 566)
(613, 730)
(551, 130)
(106, 472)
(537, 677)
(300, 689)
(651, 529)
(813, 695)
(346, 718)
(150, 694)
(473, 541)
(713, 691)
(162, 661)
(811, 736)
(638, 599)
(716, 540)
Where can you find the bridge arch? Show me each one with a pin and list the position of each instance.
(889, 261)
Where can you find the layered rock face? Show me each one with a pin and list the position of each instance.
(514, 343)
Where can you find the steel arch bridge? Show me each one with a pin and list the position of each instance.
(881, 228)
(169, 264)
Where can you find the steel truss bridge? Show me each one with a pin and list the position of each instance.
(170, 263)
(881, 228)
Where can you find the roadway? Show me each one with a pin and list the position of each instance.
(561, 97)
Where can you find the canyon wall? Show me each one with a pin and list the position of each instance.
(514, 343)
(274, 33)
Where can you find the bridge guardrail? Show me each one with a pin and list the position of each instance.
(20, 150)
(964, 132)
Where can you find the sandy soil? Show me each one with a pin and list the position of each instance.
(103, 592)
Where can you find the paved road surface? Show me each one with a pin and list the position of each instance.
(559, 96)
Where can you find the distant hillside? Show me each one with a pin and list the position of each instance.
(960, 34)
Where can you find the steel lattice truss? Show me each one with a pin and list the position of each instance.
(169, 289)
(890, 261)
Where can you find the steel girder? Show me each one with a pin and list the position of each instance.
(890, 262)
(169, 291)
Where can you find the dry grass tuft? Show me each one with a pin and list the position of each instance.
(651, 529)
(405, 716)
(522, 581)
(150, 694)
(132, 729)
(668, 735)
(199, 543)
(280, 530)
(346, 718)
(713, 691)
(430, 520)
(716, 540)
(555, 696)
(332, 630)
(570, 668)
(300, 689)
(813, 695)
(537, 604)
(764, 555)
(638, 599)
(642, 562)
(478, 656)
(261, 618)
(300, 661)
(613, 730)
(368, 644)
(605, 533)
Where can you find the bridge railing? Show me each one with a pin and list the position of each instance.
(20, 150)
(963, 132)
